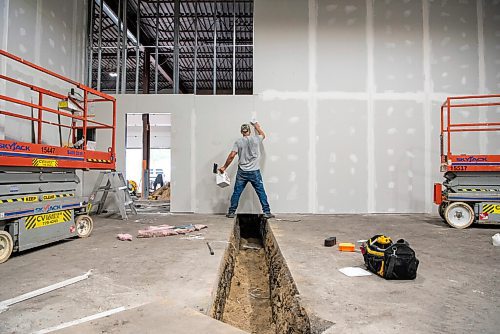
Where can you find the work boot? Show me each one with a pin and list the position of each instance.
(230, 215)
(269, 215)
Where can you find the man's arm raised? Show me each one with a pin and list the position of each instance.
(259, 130)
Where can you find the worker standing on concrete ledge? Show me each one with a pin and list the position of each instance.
(248, 150)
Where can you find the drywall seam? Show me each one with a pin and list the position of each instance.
(419, 97)
(481, 70)
(5, 27)
(439, 96)
(312, 104)
(426, 46)
(38, 37)
(193, 196)
(370, 88)
(480, 44)
(270, 95)
(74, 74)
(85, 44)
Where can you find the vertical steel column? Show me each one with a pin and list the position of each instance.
(215, 49)
(145, 155)
(118, 39)
(146, 71)
(177, 10)
(234, 47)
(124, 47)
(137, 47)
(99, 50)
(91, 44)
(156, 44)
(195, 46)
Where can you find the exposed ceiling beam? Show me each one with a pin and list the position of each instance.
(163, 68)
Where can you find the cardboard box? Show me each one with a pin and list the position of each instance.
(222, 180)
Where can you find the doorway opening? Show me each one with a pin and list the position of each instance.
(148, 160)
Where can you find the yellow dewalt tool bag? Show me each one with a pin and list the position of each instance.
(390, 260)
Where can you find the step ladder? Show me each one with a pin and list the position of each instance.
(111, 182)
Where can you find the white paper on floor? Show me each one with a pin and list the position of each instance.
(354, 271)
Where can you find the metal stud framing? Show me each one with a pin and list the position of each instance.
(191, 46)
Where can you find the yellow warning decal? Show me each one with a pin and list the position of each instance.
(491, 208)
(47, 219)
(11, 200)
(476, 190)
(35, 198)
(49, 197)
(30, 199)
(100, 160)
(44, 163)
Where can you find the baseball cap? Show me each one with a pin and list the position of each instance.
(245, 128)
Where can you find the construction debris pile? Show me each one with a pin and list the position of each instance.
(162, 194)
(166, 230)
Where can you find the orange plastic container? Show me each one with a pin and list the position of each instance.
(346, 247)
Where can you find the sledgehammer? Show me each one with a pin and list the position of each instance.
(210, 249)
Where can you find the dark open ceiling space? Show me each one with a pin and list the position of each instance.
(233, 27)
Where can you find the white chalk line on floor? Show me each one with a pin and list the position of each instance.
(82, 320)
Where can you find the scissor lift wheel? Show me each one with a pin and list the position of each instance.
(6, 245)
(84, 225)
(459, 215)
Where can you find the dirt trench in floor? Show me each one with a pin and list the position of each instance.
(256, 291)
(248, 305)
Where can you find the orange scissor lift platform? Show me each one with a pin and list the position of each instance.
(39, 188)
(471, 190)
(39, 155)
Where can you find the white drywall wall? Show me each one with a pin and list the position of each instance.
(348, 93)
(372, 75)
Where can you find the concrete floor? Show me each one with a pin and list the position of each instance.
(124, 273)
(457, 289)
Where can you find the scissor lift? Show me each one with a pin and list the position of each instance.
(471, 190)
(39, 200)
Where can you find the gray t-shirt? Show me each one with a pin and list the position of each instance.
(248, 149)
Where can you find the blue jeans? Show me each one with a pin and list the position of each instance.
(242, 178)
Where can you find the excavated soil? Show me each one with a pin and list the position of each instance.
(256, 291)
(248, 305)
